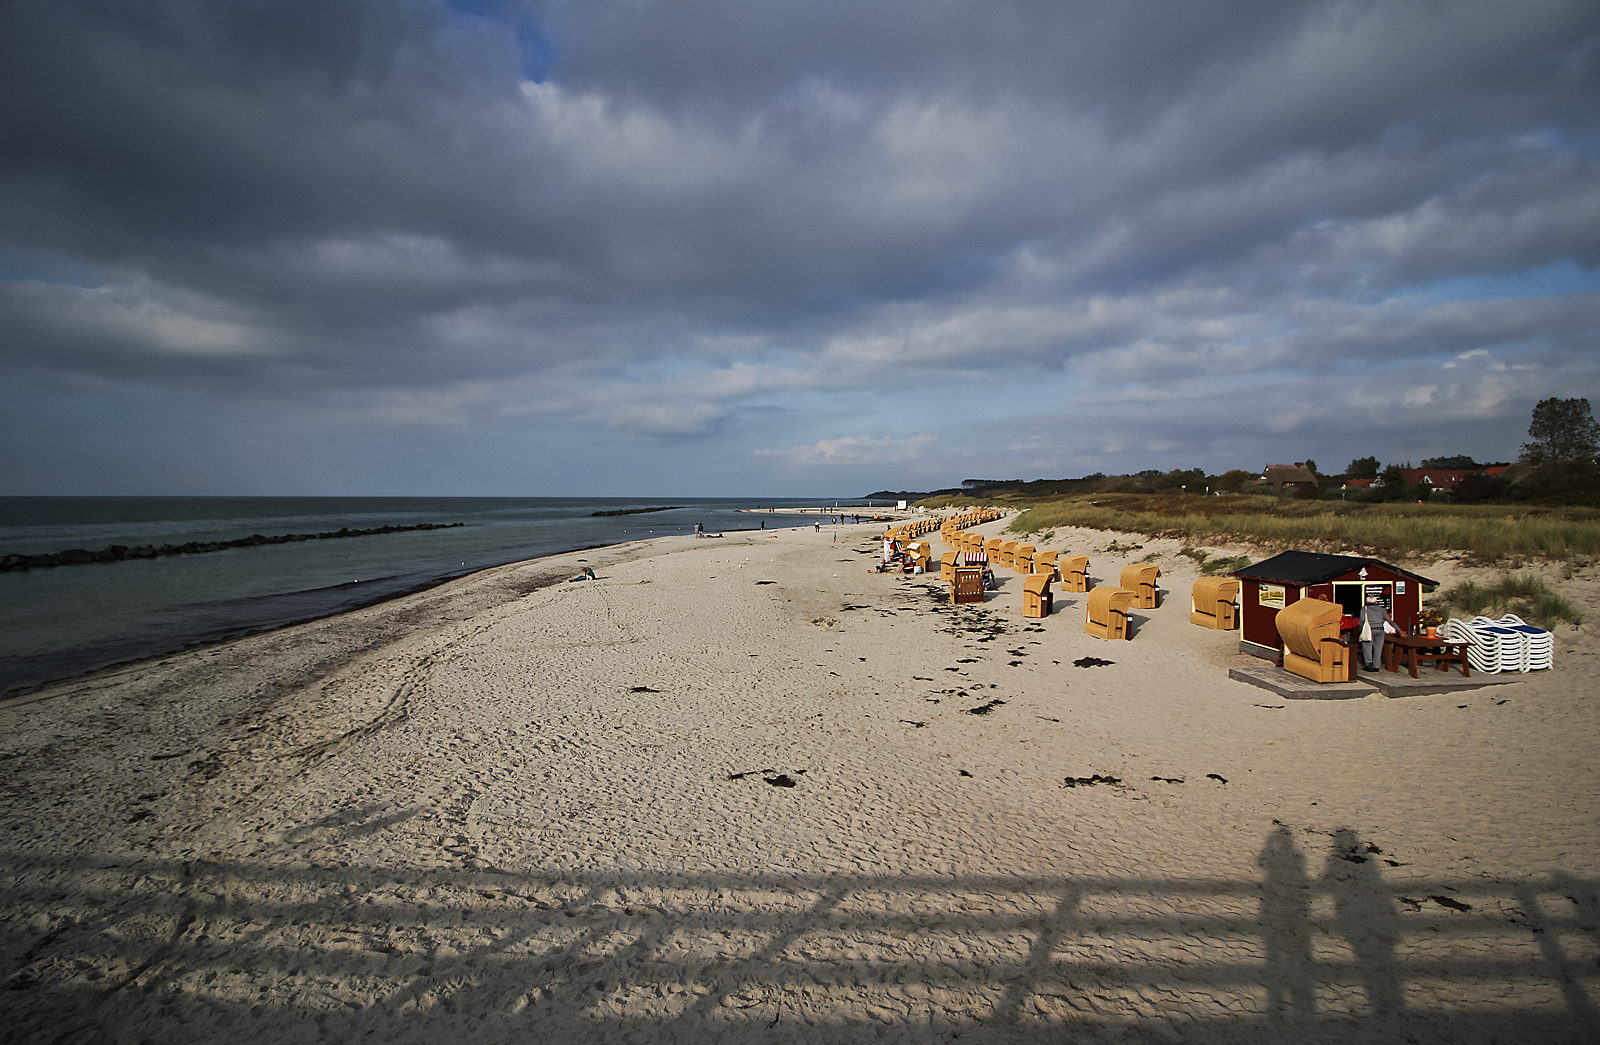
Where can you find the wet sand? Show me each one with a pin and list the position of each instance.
(742, 789)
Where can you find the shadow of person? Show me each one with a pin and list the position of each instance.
(1366, 917)
(1286, 928)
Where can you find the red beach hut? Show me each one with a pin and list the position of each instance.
(1273, 584)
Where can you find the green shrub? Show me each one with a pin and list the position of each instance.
(1212, 567)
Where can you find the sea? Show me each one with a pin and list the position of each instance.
(61, 621)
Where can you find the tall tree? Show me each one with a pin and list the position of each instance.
(1562, 430)
(1362, 468)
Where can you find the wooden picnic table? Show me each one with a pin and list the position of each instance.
(1416, 648)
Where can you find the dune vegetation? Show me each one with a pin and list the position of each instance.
(1486, 533)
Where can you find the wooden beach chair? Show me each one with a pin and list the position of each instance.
(1074, 570)
(992, 548)
(966, 584)
(1045, 562)
(1140, 578)
(1312, 647)
(1212, 603)
(1107, 615)
(947, 565)
(1008, 554)
(1036, 598)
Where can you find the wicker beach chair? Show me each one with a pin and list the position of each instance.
(1074, 570)
(1023, 563)
(1140, 578)
(1212, 603)
(1045, 562)
(1312, 647)
(992, 547)
(947, 565)
(1036, 598)
(1008, 554)
(1107, 613)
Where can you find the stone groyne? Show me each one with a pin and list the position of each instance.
(123, 552)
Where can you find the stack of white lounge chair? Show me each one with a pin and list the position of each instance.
(1507, 644)
(1538, 645)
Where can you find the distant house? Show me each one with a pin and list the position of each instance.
(1445, 478)
(1287, 477)
(1437, 478)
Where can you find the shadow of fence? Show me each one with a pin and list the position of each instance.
(145, 949)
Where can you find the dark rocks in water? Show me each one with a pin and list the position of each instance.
(635, 511)
(984, 709)
(122, 552)
(1092, 662)
(1090, 781)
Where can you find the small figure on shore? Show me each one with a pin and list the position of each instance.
(586, 575)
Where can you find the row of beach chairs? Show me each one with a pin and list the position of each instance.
(1106, 614)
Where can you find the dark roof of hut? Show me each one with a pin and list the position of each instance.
(1302, 568)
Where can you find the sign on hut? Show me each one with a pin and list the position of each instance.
(1286, 578)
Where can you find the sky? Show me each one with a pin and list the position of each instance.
(749, 248)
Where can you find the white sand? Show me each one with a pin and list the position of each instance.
(501, 811)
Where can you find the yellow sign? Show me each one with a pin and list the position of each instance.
(1271, 596)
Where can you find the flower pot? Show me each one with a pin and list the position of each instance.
(1433, 632)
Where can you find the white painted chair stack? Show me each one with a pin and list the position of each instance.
(1538, 645)
(1507, 644)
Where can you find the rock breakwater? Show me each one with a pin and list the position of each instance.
(123, 552)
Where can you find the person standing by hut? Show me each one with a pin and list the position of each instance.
(1375, 624)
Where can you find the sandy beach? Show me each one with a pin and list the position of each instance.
(742, 789)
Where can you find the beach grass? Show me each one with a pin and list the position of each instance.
(1523, 594)
(1487, 533)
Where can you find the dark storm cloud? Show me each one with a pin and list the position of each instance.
(671, 220)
